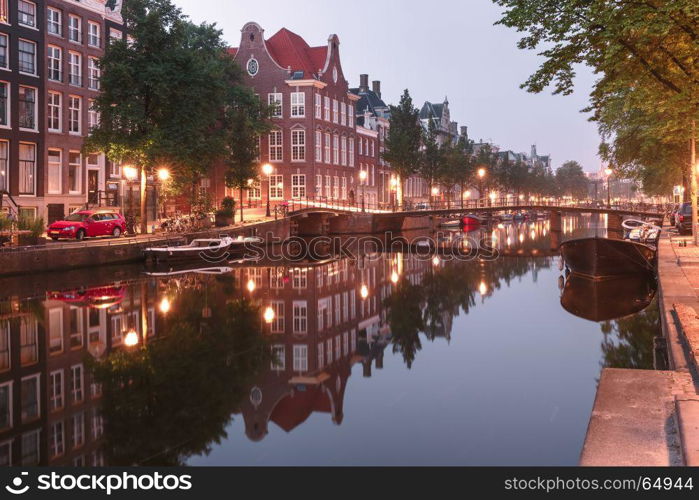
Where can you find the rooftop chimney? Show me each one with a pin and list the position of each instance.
(464, 132)
(363, 83)
(376, 87)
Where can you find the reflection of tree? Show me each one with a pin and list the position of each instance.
(174, 397)
(628, 342)
(405, 319)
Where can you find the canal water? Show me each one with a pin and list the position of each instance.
(381, 359)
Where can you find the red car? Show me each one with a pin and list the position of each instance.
(88, 224)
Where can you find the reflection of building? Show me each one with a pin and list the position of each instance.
(49, 404)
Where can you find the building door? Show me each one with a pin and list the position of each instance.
(93, 186)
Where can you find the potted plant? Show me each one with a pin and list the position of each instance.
(35, 227)
(225, 214)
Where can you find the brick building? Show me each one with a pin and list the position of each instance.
(49, 51)
(312, 146)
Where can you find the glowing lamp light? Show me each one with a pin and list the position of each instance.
(608, 171)
(362, 175)
(481, 172)
(521, 196)
(394, 182)
(394, 277)
(269, 315)
(131, 338)
(163, 174)
(250, 181)
(482, 288)
(364, 292)
(521, 238)
(130, 172)
(435, 260)
(251, 286)
(467, 194)
(492, 196)
(435, 191)
(165, 305)
(267, 169)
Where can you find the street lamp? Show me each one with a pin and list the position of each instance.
(608, 173)
(267, 169)
(269, 315)
(362, 179)
(163, 174)
(130, 174)
(165, 305)
(481, 176)
(131, 338)
(163, 177)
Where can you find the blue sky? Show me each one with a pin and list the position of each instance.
(435, 49)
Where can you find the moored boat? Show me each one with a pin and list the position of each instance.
(471, 221)
(604, 257)
(451, 223)
(202, 248)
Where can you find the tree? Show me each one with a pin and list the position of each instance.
(431, 157)
(162, 95)
(457, 167)
(485, 159)
(404, 140)
(571, 180)
(245, 119)
(405, 319)
(646, 54)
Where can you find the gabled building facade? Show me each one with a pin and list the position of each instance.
(312, 145)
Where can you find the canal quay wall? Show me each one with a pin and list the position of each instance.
(98, 253)
(651, 417)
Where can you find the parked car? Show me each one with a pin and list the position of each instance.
(88, 224)
(422, 206)
(683, 218)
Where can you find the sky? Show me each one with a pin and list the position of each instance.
(437, 49)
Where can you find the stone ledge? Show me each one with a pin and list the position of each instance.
(687, 411)
(689, 329)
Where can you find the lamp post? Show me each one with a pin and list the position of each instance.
(481, 176)
(394, 189)
(267, 169)
(362, 180)
(608, 173)
(434, 192)
(163, 177)
(130, 174)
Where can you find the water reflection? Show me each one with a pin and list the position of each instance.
(153, 370)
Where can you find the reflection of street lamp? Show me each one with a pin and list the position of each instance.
(364, 292)
(483, 288)
(394, 277)
(362, 180)
(435, 260)
(165, 305)
(608, 173)
(251, 285)
(131, 338)
(394, 193)
(267, 169)
(269, 315)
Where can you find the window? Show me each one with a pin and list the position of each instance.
(55, 327)
(300, 310)
(276, 187)
(343, 113)
(56, 390)
(344, 188)
(298, 186)
(298, 145)
(27, 168)
(336, 149)
(4, 105)
(298, 104)
(278, 357)
(319, 185)
(29, 392)
(75, 70)
(27, 108)
(54, 111)
(254, 191)
(275, 145)
(343, 151)
(4, 346)
(93, 34)
(327, 147)
(74, 169)
(26, 13)
(321, 355)
(115, 34)
(75, 29)
(93, 116)
(53, 21)
(78, 422)
(27, 56)
(336, 116)
(275, 100)
(328, 187)
(351, 152)
(74, 115)
(318, 106)
(76, 383)
(350, 110)
(93, 73)
(336, 187)
(56, 439)
(299, 278)
(300, 358)
(319, 146)
(278, 323)
(55, 60)
(4, 61)
(6, 405)
(326, 108)
(76, 314)
(30, 448)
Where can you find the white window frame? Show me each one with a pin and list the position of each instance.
(57, 399)
(33, 173)
(275, 98)
(93, 116)
(336, 149)
(326, 147)
(276, 146)
(38, 397)
(55, 110)
(77, 388)
(343, 113)
(278, 362)
(54, 17)
(300, 316)
(318, 106)
(93, 36)
(75, 69)
(75, 118)
(318, 146)
(298, 186)
(31, 42)
(351, 152)
(55, 64)
(79, 166)
(20, 18)
(275, 192)
(298, 104)
(326, 108)
(298, 145)
(336, 111)
(300, 358)
(36, 108)
(75, 29)
(343, 150)
(94, 73)
(7, 51)
(8, 104)
(277, 325)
